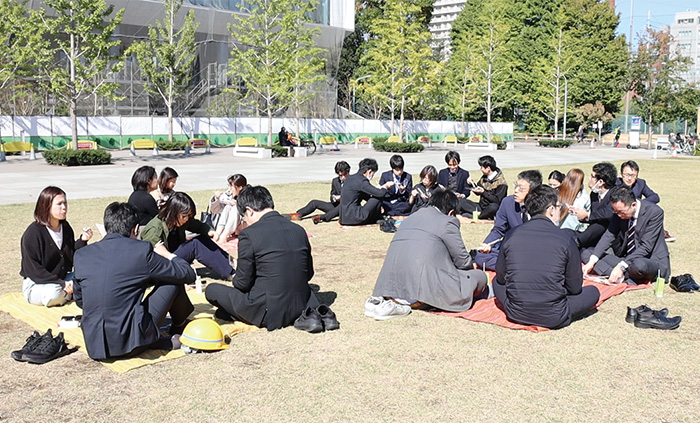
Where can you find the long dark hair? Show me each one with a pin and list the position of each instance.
(42, 210)
(178, 203)
(166, 175)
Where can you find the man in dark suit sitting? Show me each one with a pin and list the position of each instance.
(271, 283)
(629, 176)
(510, 214)
(636, 236)
(111, 277)
(356, 190)
(331, 209)
(538, 274)
(396, 201)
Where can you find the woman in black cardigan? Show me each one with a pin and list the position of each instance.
(144, 181)
(47, 247)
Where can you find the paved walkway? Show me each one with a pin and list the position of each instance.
(22, 179)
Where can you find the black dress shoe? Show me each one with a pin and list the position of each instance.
(683, 283)
(632, 312)
(654, 320)
(330, 322)
(309, 321)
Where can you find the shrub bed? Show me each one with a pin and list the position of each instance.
(555, 143)
(396, 147)
(171, 146)
(277, 150)
(77, 158)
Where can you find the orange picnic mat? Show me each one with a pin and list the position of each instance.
(487, 311)
(43, 318)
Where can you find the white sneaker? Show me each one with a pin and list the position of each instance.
(388, 309)
(371, 305)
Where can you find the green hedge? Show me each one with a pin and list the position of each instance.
(77, 158)
(379, 140)
(171, 146)
(555, 143)
(277, 150)
(396, 147)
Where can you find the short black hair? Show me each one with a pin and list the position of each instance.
(342, 167)
(444, 200)
(452, 155)
(120, 218)
(534, 177)
(622, 193)
(141, 178)
(368, 164)
(555, 174)
(257, 198)
(488, 161)
(606, 172)
(178, 203)
(539, 199)
(396, 162)
(631, 164)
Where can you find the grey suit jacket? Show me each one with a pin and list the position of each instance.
(650, 237)
(427, 262)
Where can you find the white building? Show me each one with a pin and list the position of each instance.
(685, 41)
(445, 12)
(334, 18)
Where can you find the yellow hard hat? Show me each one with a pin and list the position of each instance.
(204, 334)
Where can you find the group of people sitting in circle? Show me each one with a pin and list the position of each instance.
(545, 238)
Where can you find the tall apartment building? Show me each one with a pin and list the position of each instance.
(685, 41)
(445, 12)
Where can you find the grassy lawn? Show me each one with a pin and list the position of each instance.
(420, 368)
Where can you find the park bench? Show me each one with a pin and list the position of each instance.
(450, 139)
(201, 142)
(248, 147)
(143, 144)
(482, 145)
(329, 140)
(83, 145)
(17, 147)
(363, 139)
(393, 139)
(425, 140)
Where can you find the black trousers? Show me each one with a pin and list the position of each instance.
(591, 236)
(330, 211)
(579, 304)
(468, 207)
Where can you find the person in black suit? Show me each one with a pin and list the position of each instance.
(357, 190)
(601, 181)
(629, 176)
(456, 179)
(331, 209)
(396, 201)
(538, 272)
(492, 188)
(111, 278)
(271, 284)
(636, 236)
(144, 181)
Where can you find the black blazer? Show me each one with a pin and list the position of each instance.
(391, 193)
(336, 189)
(601, 210)
(462, 176)
(111, 277)
(641, 190)
(649, 238)
(145, 204)
(357, 189)
(274, 268)
(540, 265)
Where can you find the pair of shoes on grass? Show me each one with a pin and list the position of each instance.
(40, 349)
(316, 320)
(646, 318)
(382, 309)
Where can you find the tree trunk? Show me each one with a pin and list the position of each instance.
(650, 132)
(403, 102)
(269, 127)
(73, 96)
(170, 122)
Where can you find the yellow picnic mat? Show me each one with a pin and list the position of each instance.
(43, 318)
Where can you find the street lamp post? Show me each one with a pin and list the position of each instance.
(566, 100)
(354, 107)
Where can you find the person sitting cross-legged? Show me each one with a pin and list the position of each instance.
(636, 236)
(538, 273)
(271, 284)
(396, 201)
(111, 279)
(360, 202)
(427, 263)
(492, 188)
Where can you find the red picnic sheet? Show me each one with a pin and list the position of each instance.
(487, 311)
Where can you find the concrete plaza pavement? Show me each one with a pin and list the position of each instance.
(21, 179)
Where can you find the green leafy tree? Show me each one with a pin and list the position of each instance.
(399, 58)
(82, 35)
(479, 63)
(167, 56)
(656, 79)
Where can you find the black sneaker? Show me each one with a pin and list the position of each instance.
(330, 322)
(309, 321)
(31, 343)
(48, 349)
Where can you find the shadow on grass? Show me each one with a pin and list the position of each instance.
(327, 298)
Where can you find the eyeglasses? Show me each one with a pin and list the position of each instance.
(517, 187)
(629, 175)
(593, 176)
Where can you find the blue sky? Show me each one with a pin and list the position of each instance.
(657, 12)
